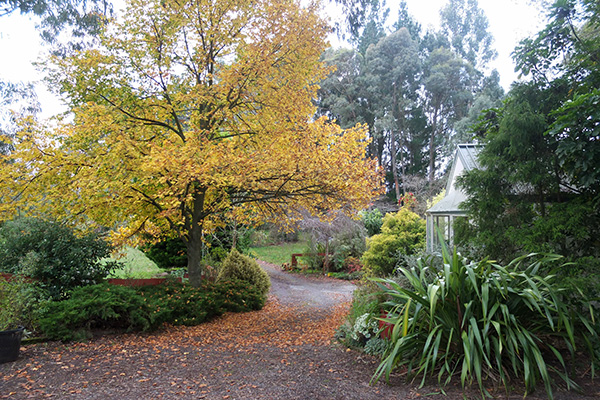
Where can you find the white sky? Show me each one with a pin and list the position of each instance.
(509, 22)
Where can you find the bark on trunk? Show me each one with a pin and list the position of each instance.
(194, 256)
(393, 150)
(194, 244)
(432, 148)
(394, 168)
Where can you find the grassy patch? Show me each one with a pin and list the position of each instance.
(279, 253)
(137, 265)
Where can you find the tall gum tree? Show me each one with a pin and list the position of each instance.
(191, 112)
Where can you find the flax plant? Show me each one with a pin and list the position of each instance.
(481, 320)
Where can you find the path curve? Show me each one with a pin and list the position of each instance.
(307, 291)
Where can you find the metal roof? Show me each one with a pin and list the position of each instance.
(449, 204)
(467, 153)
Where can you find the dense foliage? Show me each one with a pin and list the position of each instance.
(482, 320)
(372, 220)
(54, 254)
(167, 253)
(170, 252)
(113, 308)
(20, 298)
(244, 268)
(538, 189)
(96, 307)
(402, 234)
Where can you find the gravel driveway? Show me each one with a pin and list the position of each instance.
(282, 352)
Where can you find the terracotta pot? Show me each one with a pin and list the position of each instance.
(385, 327)
(10, 343)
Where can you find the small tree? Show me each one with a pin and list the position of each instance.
(337, 229)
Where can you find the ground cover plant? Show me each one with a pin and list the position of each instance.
(482, 320)
(361, 330)
(111, 308)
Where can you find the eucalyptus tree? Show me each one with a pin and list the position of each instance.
(411, 87)
(448, 83)
(81, 19)
(392, 72)
(466, 27)
(16, 100)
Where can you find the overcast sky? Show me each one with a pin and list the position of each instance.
(510, 21)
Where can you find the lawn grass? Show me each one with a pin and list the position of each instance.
(278, 253)
(137, 265)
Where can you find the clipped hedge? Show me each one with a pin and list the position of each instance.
(114, 308)
(96, 307)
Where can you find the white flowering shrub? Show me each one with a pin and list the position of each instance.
(364, 328)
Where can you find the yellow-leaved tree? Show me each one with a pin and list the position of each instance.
(188, 113)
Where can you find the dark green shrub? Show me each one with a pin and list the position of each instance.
(401, 234)
(118, 308)
(481, 319)
(52, 253)
(373, 220)
(89, 308)
(182, 304)
(244, 268)
(168, 253)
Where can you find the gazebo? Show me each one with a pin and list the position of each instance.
(443, 214)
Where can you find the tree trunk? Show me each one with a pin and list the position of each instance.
(432, 149)
(393, 151)
(194, 242)
(326, 258)
(194, 256)
(394, 169)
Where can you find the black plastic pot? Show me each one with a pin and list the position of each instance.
(10, 343)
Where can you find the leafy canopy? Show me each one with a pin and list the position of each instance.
(190, 112)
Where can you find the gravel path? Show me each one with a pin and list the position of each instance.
(307, 292)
